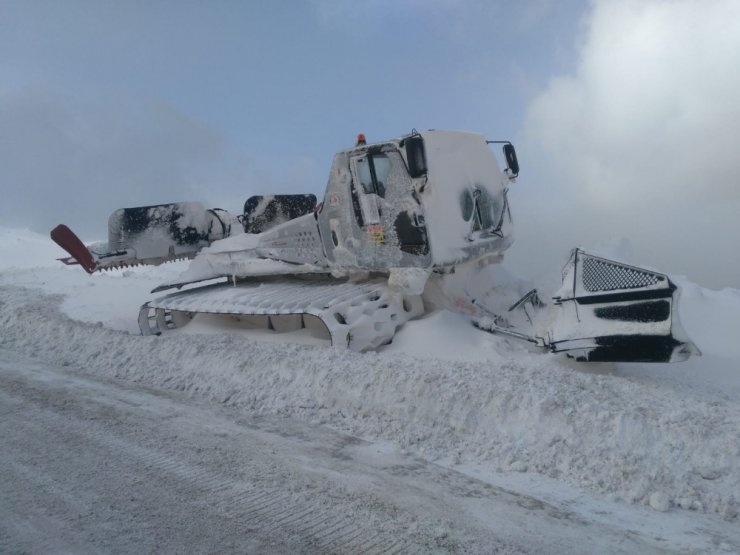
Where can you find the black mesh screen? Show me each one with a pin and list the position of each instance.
(600, 275)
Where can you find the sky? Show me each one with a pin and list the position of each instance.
(623, 112)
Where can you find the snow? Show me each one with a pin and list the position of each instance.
(663, 437)
(458, 164)
(445, 335)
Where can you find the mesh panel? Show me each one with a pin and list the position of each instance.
(600, 275)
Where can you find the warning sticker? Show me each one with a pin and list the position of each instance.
(375, 233)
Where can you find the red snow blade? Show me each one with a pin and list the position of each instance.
(65, 238)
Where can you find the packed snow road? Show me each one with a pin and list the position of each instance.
(99, 465)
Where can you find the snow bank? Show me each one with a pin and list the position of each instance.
(530, 413)
(21, 248)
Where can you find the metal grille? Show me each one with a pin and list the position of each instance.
(600, 275)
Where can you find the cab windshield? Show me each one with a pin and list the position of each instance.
(372, 172)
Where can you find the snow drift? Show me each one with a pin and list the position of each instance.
(660, 435)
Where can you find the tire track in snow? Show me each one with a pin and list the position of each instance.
(123, 435)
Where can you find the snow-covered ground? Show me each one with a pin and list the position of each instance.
(654, 447)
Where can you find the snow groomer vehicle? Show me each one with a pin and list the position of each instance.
(406, 226)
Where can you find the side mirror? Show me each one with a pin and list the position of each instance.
(511, 160)
(415, 156)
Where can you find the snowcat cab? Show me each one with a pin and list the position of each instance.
(392, 205)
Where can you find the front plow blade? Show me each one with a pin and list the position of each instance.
(610, 311)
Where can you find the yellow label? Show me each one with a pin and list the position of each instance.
(375, 234)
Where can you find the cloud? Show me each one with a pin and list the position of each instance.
(642, 140)
(67, 162)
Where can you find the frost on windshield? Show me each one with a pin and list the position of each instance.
(478, 204)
